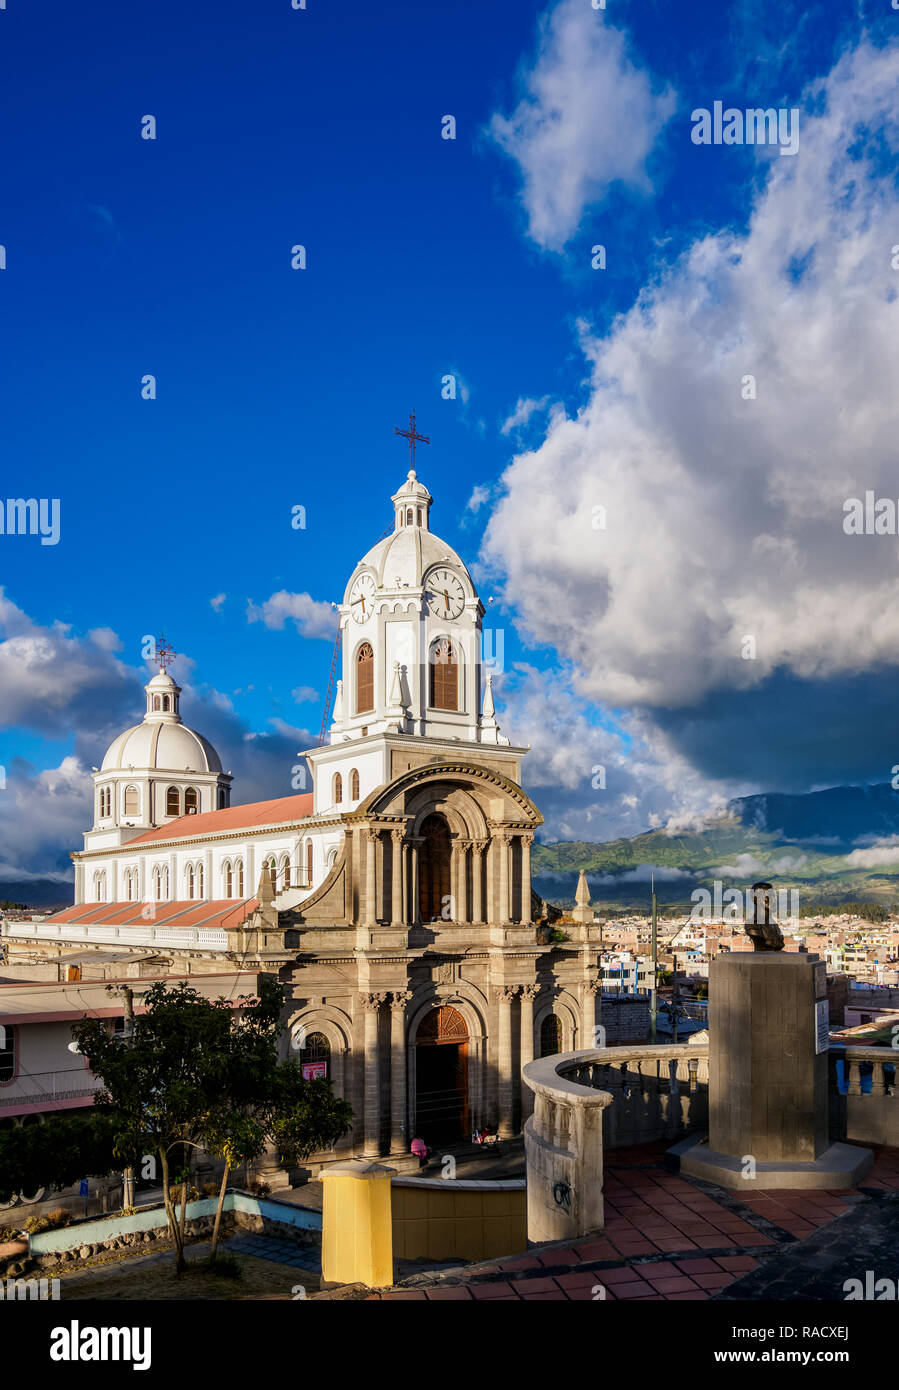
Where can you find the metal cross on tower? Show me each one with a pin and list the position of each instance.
(412, 436)
(165, 653)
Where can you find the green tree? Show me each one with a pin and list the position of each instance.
(198, 1073)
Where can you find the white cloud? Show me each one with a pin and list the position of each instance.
(586, 119)
(745, 866)
(304, 694)
(525, 407)
(885, 852)
(313, 617)
(218, 602)
(723, 516)
(480, 495)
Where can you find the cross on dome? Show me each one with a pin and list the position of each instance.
(412, 436)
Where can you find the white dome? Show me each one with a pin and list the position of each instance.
(160, 746)
(404, 557)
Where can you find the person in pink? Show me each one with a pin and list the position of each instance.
(420, 1149)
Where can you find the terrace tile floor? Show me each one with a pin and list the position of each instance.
(674, 1238)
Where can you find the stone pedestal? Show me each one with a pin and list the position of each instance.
(768, 1039)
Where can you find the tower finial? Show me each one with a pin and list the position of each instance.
(412, 436)
(165, 653)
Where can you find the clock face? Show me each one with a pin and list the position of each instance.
(445, 594)
(362, 598)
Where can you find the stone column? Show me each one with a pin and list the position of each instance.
(504, 996)
(370, 837)
(407, 869)
(502, 843)
(415, 914)
(528, 995)
(477, 857)
(526, 842)
(396, 887)
(371, 1003)
(398, 1002)
(462, 882)
(588, 1015)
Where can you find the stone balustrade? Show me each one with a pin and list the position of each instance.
(864, 1107)
(658, 1092)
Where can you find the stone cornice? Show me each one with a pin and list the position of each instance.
(312, 823)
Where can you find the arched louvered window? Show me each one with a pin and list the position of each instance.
(338, 789)
(444, 675)
(409, 516)
(173, 802)
(228, 878)
(238, 876)
(191, 801)
(200, 880)
(189, 879)
(132, 801)
(365, 678)
(354, 785)
(309, 862)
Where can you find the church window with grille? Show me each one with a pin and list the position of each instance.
(191, 801)
(338, 789)
(550, 1036)
(228, 877)
(238, 876)
(365, 678)
(354, 785)
(132, 801)
(444, 676)
(315, 1057)
(309, 862)
(173, 802)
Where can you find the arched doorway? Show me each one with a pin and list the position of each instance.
(441, 1077)
(435, 857)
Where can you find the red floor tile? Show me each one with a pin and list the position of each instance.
(524, 1287)
(679, 1285)
(736, 1262)
(623, 1274)
(697, 1266)
(714, 1281)
(452, 1292)
(580, 1279)
(596, 1250)
(637, 1290)
(563, 1255)
(695, 1296)
(498, 1290)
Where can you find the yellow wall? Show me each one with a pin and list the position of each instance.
(457, 1223)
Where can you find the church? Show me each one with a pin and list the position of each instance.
(393, 901)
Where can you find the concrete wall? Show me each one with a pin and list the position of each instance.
(96, 1231)
(444, 1220)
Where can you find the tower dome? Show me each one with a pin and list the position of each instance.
(156, 771)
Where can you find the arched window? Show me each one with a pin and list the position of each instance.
(238, 877)
(284, 872)
(309, 862)
(7, 1053)
(419, 516)
(165, 702)
(129, 886)
(173, 802)
(338, 788)
(409, 516)
(444, 676)
(550, 1035)
(191, 801)
(354, 785)
(156, 703)
(228, 877)
(315, 1057)
(106, 802)
(271, 870)
(132, 801)
(222, 799)
(189, 879)
(200, 878)
(99, 887)
(365, 678)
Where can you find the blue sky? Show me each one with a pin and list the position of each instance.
(428, 257)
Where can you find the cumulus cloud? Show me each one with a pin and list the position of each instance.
(680, 519)
(312, 617)
(744, 866)
(594, 779)
(885, 852)
(525, 407)
(587, 118)
(217, 603)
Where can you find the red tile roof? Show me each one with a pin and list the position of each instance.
(283, 811)
(206, 912)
